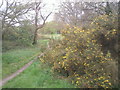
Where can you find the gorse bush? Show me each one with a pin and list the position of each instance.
(106, 27)
(106, 22)
(79, 57)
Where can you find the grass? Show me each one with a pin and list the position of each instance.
(14, 59)
(37, 76)
(50, 36)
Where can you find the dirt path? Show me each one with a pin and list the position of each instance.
(5, 80)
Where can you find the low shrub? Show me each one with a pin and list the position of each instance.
(18, 37)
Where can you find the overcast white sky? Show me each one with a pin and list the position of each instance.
(52, 5)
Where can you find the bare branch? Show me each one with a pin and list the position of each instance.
(38, 12)
(1, 4)
(44, 19)
(12, 12)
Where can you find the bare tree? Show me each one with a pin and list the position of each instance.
(12, 14)
(74, 13)
(37, 7)
(70, 12)
(79, 13)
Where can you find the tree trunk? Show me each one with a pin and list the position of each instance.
(108, 9)
(36, 27)
(35, 38)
